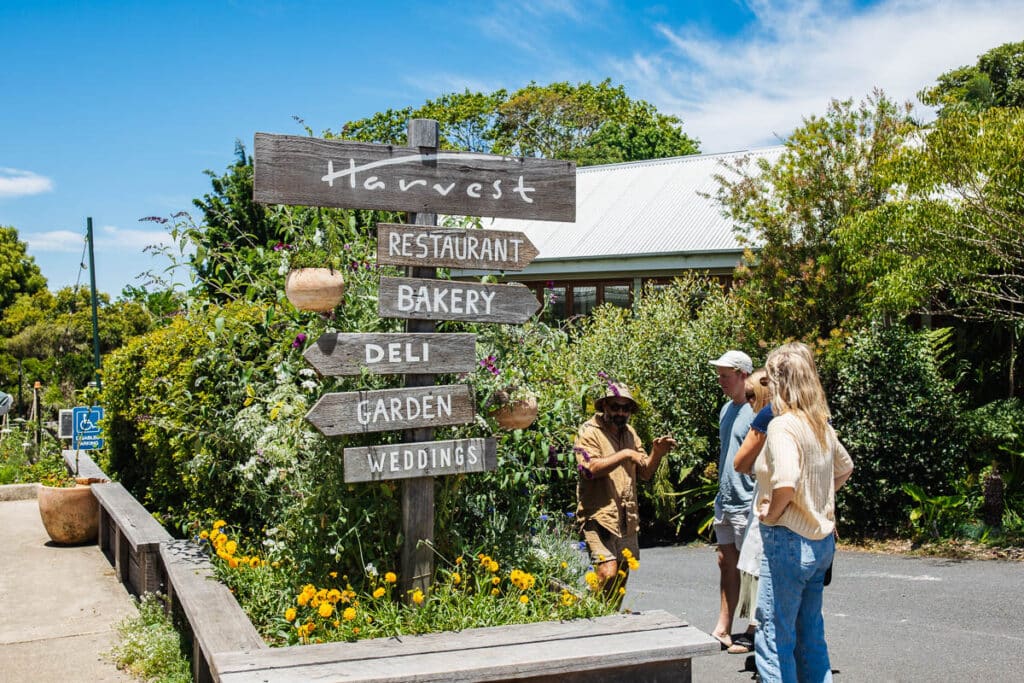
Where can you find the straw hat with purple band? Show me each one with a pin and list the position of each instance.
(736, 360)
(614, 390)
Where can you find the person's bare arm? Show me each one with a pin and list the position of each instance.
(659, 447)
(751, 447)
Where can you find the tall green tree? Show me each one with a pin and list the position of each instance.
(19, 273)
(997, 80)
(586, 123)
(797, 283)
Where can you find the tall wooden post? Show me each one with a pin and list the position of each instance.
(418, 493)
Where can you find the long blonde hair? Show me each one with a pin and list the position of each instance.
(757, 392)
(796, 388)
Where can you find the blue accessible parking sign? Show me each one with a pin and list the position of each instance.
(86, 434)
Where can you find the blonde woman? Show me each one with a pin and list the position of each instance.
(799, 470)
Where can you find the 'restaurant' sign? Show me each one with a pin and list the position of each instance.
(337, 354)
(425, 299)
(291, 169)
(414, 245)
(358, 412)
(422, 459)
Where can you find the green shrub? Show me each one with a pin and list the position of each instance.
(150, 647)
(901, 421)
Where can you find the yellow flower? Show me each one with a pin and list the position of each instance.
(627, 553)
(634, 564)
(275, 564)
(593, 581)
(417, 597)
(289, 614)
(390, 577)
(568, 598)
(355, 630)
(523, 599)
(458, 560)
(274, 412)
(333, 596)
(622, 590)
(326, 609)
(496, 580)
(333, 575)
(379, 593)
(254, 562)
(204, 534)
(492, 567)
(231, 547)
(495, 592)
(233, 562)
(349, 614)
(219, 523)
(565, 565)
(456, 579)
(621, 574)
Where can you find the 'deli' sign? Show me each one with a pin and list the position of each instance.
(339, 354)
(291, 169)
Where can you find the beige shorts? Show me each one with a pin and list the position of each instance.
(603, 545)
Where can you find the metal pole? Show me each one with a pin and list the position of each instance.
(95, 319)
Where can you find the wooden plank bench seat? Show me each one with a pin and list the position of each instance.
(211, 614)
(130, 534)
(641, 647)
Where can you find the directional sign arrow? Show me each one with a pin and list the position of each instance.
(421, 459)
(356, 412)
(413, 245)
(422, 353)
(424, 299)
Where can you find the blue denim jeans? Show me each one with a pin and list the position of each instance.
(790, 641)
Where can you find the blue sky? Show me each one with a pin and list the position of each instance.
(114, 109)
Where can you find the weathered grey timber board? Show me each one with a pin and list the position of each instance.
(217, 622)
(86, 467)
(548, 650)
(420, 459)
(133, 521)
(418, 246)
(291, 169)
(358, 412)
(424, 353)
(424, 299)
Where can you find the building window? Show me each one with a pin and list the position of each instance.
(618, 295)
(584, 300)
(557, 304)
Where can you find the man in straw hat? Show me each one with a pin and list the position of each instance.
(609, 457)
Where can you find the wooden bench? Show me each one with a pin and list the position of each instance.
(634, 648)
(131, 538)
(80, 464)
(205, 608)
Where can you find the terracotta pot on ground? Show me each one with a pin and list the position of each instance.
(516, 415)
(314, 289)
(71, 515)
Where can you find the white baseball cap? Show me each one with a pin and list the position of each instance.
(735, 359)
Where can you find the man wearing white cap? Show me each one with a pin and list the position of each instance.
(735, 490)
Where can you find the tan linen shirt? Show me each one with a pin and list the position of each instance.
(793, 457)
(608, 500)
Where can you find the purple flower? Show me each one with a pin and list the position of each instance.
(281, 246)
(614, 389)
(584, 471)
(551, 284)
(543, 518)
(583, 452)
(602, 374)
(300, 339)
(570, 515)
(582, 545)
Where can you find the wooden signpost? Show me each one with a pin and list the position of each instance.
(425, 299)
(358, 412)
(411, 245)
(292, 169)
(425, 181)
(429, 459)
(386, 354)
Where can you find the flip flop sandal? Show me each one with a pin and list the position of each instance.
(741, 645)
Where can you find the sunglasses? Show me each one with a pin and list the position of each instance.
(765, 381)
(620, 407)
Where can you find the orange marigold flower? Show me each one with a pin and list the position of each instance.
(390, 577)
(379, 593)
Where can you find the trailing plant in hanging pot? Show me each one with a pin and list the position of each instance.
(312, 264)
(505, 394)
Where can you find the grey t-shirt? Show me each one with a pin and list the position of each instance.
(735, 490)
(5, 403)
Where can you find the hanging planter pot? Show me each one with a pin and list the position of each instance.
(71, 516)
(517, 414)
(315, 289)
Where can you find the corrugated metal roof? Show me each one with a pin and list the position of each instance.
(639, 209)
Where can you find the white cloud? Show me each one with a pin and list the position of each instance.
(743, 91)
(18, 183)
(136, 240)
(65, 241)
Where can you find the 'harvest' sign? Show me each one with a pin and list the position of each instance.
(422, 459)
(357, 412)
(337, 354)
(291, 169)
(414, 245)
(425, 299)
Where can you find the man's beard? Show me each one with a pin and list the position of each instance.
(619, 420)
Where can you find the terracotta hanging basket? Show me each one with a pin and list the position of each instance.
(517, 415)
(315, 289)
(71, 516)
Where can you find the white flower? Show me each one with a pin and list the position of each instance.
(370, 570)
(309, 384)
(307, 372)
